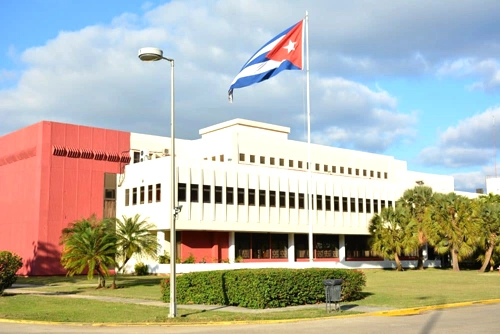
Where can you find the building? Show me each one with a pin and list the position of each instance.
(243, 187)
(243, 190)
(52, 174)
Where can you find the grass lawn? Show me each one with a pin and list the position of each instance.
(385, 288)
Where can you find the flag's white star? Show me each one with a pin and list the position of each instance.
(291, 46)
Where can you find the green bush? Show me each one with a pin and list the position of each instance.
(263, 288)
(9, 264)
(190, 259)
(141, 269)
(164, 259)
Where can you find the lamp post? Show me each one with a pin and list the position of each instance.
(154, 54)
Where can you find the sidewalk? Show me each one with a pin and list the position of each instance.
(17, 289)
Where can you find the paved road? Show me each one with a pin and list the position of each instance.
(457, 320)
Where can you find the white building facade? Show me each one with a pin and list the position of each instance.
(243, 187)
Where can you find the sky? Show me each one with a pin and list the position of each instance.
(418, 80)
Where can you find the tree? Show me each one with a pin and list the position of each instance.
(453, 226)
(133, 237)
(89, 244)
(489, 214)
(417, 201)
(393, 234)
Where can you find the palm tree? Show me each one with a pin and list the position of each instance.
(89, 244)
(489, 214)
(453, 226)
(133, 237)
(417, 201)
(392, 234)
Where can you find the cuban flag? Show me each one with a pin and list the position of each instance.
(283, 52)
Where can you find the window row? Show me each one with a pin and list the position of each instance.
(317, 167)
(143, 194)
(282, 199)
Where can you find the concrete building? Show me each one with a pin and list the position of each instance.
(243, 187)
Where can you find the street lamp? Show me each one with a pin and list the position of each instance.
(154, 54)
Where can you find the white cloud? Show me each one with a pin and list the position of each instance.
(487, 71)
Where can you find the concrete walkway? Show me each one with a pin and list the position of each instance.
(17, 289)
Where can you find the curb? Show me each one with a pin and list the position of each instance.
(391, 313)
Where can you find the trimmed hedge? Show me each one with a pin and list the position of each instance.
(10, 263)
(262, 288)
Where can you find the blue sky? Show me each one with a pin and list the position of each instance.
(417, 80)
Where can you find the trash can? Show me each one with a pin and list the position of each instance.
(333, 292)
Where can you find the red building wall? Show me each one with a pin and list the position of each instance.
(60, 183)
(204, 245)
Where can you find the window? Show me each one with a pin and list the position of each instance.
(317, 167)
(142, 195)
(206, 194)
(221, 158)
(319, 202)
(262, 160)
(242, 244)
(357, 171)
(341, 170)
(325, 168)
(241, 196)
(375, 205)
(279, 246)
(181, 192)
(218, 195)
(137, 157)
(336, 204)
(262, 198)
(282, 199)
(326, 246)
(282, 162)
(334, 169)
(368, 206)
(291, 200)
(127, 196)
(272, 198)
(242, 156)
(290, 163)
(371, 173)
(251, 197)
(301, 201)
(213, 158)
(134, 196)
(344, 204)
(252, 158)
(271, 161)
(109, 194)
(390, 204)
(385, 175)
(378, 175)
(300, 164)
(261, 245)
(349, 170)
(229, 195)
(382, 204)
(353, 204)
(360, 205)
(328, 203)
(150, 193)
(158, 192)
(194, 193)
(364, 172)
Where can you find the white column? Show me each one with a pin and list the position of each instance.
(291, 247)
(341, 248)
(231, 250)
(160, 238)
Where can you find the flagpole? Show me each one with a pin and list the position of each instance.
(309, 164)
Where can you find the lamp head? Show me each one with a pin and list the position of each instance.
(150, 54)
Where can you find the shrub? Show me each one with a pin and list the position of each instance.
(141, 269)
(9, 264)
(190, 259)
(263, 288)
(164, 259)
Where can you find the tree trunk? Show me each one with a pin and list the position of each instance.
(454, 259)
(113, 285)
(487, 258)
(420, 263)
(399, 267)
